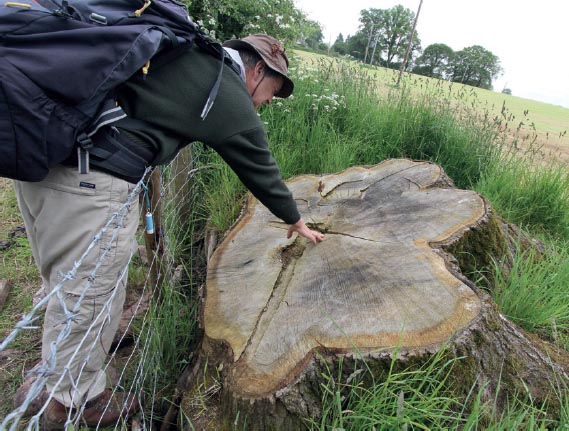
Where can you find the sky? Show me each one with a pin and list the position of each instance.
(530, 38)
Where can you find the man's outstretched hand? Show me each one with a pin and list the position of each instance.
(300, 227)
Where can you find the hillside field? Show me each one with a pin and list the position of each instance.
(531, 121)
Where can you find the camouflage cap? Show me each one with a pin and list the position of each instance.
(272, 53)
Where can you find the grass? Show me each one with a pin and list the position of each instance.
(415, 398)
(418, 399)
(16, 258)
(534, 293)
(529, 193)
(337, 119)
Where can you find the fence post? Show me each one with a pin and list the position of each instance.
(153, 241)
(181, 167)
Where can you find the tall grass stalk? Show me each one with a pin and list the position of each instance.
(526, 192)
(534, 293)
(419, 399)
(167, 332)
(337, 119)
(415, 399)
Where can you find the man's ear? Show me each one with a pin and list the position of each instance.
(259, 68)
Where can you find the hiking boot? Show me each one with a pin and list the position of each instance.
(33, 409)
(105, 410)
(21, 394)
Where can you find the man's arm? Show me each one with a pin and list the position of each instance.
(249, 157)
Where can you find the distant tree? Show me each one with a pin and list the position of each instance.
(386, 33)
(395, 30)
(356, 45)
(312, 34)
(340, 45)
(475, 66)
(370, 20)
(434, 61)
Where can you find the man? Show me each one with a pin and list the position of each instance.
(63, 212)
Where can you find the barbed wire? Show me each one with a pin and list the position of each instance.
(141, 348)
(47, 368)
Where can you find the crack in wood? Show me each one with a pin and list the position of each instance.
(335, 187)
(289, 255)
(363, 190)
(317, 226)
(395, 173)
(323, 228)
(353, 236)
(419, 186)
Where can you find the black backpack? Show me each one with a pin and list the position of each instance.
(60, 62)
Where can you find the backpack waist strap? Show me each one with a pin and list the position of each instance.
(114, 153)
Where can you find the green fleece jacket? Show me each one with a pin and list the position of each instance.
(171, 100)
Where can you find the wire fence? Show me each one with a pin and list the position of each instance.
(168, 200)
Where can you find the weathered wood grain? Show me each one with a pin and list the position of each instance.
(373, 282)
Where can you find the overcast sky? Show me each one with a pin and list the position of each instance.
(530, 38)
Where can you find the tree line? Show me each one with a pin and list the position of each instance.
(382, 38)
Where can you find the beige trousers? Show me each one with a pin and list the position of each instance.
(63, 214)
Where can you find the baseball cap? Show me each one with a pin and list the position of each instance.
(272, 53)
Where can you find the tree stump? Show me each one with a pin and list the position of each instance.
(278, 311)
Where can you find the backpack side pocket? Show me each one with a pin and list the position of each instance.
(35, 131)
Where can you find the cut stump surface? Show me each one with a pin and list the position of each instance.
(374, 282)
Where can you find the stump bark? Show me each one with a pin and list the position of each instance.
(386, 279)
